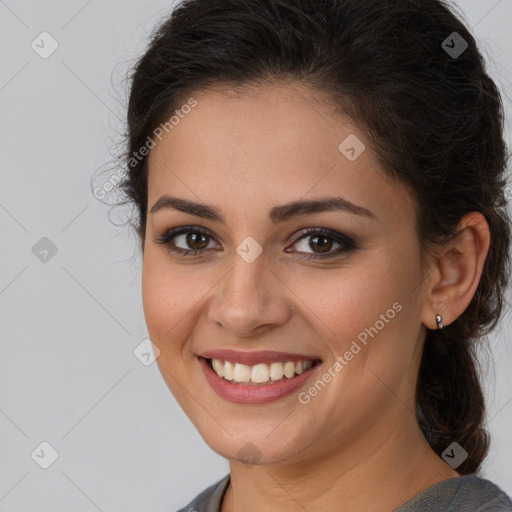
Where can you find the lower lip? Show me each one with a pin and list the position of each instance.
(255, 394)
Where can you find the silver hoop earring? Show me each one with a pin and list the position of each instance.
(439, 321)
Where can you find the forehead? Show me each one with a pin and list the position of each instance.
(267, 145)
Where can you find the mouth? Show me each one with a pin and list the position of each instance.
(261, 374)
(261, 382)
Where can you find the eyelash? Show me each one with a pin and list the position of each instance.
(347, 243)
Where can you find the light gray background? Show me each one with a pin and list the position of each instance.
(69, 326)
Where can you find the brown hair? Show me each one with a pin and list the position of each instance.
(425, 101)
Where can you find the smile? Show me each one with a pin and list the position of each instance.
(258, 383)
(260, 373)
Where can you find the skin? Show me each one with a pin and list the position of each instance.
(356, 445)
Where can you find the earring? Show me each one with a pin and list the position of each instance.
(439, 321)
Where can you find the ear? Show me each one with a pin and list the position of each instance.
(458, 268)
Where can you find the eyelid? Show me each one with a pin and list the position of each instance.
(346, 243)
(330, 233)
(172, 233)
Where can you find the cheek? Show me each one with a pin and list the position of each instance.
(353, 298)
(366, 314)
(167, 309)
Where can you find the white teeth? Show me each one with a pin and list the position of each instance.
(260, 373)
(218, 367)
(289, 369)
(228, 370)
(276, 371)
(242, 373)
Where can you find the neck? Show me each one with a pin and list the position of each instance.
(381, 470)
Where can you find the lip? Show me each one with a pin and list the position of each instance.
(255, 394)
(253, 358)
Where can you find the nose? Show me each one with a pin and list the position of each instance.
(250, 299)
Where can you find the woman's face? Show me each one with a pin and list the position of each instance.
(355, 311)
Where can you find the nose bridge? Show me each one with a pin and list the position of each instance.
(246, 285)
(248, 273)
(248, 296)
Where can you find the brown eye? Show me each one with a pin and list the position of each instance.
(191, 241)
(186, 240)
(324, 243)
(321, 242)
(196, 240)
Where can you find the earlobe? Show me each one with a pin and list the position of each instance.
(459, 268)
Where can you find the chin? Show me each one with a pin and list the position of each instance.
(257, 447)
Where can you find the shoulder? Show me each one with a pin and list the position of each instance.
(210, 499)
(469, 493)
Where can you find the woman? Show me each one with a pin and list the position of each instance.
(319, 188)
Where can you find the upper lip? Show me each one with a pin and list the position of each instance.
(256, 357)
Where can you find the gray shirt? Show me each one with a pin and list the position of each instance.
(468, 493)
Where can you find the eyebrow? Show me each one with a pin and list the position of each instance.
(277, 214)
